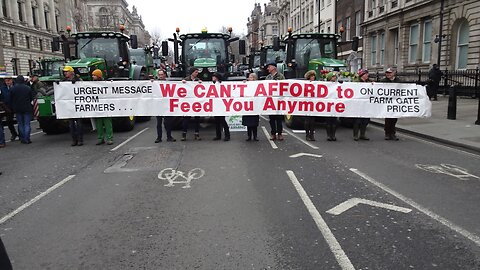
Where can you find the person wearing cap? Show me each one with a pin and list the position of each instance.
(276, 124)
(331, 121)
(360, 124)
(6, 98)
(103, 124)
(22, 97)
(186, 119)
(220, 121)
(166, 120)
(75, 124)
(310, 120)
(390, 123)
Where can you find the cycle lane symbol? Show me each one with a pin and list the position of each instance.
(178, 177)
(448, 169)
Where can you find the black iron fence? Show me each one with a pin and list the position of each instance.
(467, 82)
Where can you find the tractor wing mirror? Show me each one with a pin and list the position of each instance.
(134, 42)
(241, 47)
(276, 44)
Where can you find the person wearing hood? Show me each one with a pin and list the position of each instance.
(22, 97)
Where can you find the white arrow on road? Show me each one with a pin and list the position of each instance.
(304, 154)
(337, 210)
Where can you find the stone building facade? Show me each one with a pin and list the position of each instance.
(253, 26)
(27, 27)
(406, 34)
(349, 18)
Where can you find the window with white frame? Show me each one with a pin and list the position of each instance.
(358, 21)
(373, 50)
(413, 44)
(427, 41)
(381, 42)
(396, 48)
(462, 45)
(347, 28)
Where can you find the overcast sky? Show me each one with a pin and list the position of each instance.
(164, 16)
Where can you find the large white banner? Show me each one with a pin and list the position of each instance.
(296, 97)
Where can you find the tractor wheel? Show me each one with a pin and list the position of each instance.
(294, 121)
(51, 125)
(123, 123)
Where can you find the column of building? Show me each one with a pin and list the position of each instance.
(14, 10)
(28, 13)
(41, 14)
(52, 19)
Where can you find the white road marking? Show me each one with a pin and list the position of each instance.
(171, 175)
(305, 154)
(274, 146)
(448, 169)
(337, 210)
(332, 242)
(298, 138)
(36, 133)
(474, 238)
(129, 139)
(32, 201)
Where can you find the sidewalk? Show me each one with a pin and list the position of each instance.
(461, 132)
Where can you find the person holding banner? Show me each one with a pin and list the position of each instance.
(360, 124)
(251, 121)
(192, 77)
(310, 120)
(275, 120)
(220, 120)
(331, 122)
(162, 76)
(103, 124)
(390, 123)
(76, 126)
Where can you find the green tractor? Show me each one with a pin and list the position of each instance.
(145, 58)
(312, 51)
(85, 52)
(209, 52)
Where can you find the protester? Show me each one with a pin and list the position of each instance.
(6, 98)
(103, 124)
(22, 96)
(5, 263)
(434, 77)
(3, 109)
(76, 126)
(39, 87)
(276, 124)
(331, 121)
(310, 120)
(251, 121)
(360, 124)
(186, 119)
(220, 122)
(390, 123)
(162, 76)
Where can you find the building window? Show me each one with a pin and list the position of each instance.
(347, 29)
(395, 45)
(413, 44)
(427, 42)
(40, 44)
(358, 21)
(20, 11)
(34, 16)
(56, 23)
(4, 8)
(46, 20)
(274, 30)
(462, 46)
(27, 42)
(373, 51)
(16, 70)
(382, 48)
(103, 17)
(12, 39)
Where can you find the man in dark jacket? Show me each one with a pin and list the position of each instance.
(76, 125)
(390, 123)
(276, 125)
(6, 91)
(434, 77)
(4, 260)
(22, 97)
(186, 119)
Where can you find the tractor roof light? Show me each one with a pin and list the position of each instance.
(290, 30)
(122, 28)
(204, 30)
(177, 30)
(69, 29)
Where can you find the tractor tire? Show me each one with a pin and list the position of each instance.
(51, 125)
(295, 121)
(123, 123)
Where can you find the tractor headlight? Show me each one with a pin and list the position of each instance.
(200, 70)
(83, 70)
(212, 69)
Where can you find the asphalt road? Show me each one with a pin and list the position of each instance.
(409, 204)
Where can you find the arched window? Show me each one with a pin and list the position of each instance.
(103, 17)
(462, 45)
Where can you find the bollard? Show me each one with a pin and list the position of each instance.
(452, 103)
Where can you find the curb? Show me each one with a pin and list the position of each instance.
(433, 138)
